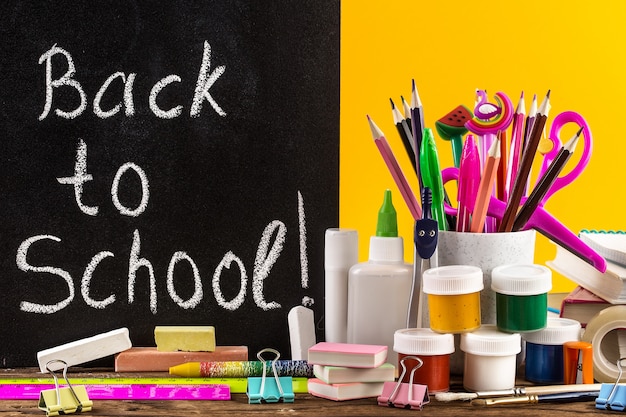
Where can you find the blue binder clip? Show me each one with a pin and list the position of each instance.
(402, 394)
(612, 397)
(270, 390)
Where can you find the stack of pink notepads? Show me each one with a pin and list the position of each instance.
(345, 371)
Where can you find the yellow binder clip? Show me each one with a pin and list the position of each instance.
(66, 400)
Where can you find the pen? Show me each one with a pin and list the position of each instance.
(469, 180)
(484, 188)
(527, 160)
(395, 170)
(431, 176)
(546, 181)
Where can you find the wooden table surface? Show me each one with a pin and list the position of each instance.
(304, 404)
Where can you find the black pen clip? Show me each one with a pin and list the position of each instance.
(426, 229)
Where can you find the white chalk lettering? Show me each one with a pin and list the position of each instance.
(204, 83)
(195, 299)
(304, 259)
(265, 259)
(238, 300)
(206, 79)
(128, 97)
(134, 264)
(65, 80)
(156, 89)
(23, 265)
(80, 177)
(86, 281)
(145, 192)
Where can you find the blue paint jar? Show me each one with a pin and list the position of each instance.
(544, 350)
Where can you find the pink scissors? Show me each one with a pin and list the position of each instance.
(541, 220)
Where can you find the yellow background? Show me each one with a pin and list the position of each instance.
(574, 48)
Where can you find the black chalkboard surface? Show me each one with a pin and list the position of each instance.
(164, 163)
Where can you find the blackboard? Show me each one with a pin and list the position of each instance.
(164, 163)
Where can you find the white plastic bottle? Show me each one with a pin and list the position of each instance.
(379, 289)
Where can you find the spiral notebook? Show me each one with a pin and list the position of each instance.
(608, 243)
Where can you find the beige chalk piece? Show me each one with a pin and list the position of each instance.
(185, 338)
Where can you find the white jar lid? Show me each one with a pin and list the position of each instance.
(489, 341)
(521, 279)
(453, 280)
(422, 341)
(557, 331)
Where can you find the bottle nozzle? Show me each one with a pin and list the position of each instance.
(387, 225)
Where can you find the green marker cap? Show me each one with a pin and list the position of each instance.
(387, 225)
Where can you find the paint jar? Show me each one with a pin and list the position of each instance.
(433, 349)
(489, 359)
(544, 350)
(453, 297)
(521, 296)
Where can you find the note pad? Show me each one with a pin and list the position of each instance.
(610, 244)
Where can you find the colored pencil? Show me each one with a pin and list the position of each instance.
(525, 165)
(405, 133)
(530, 121)
(484, 189)
(515, 151)
(546, 181)
(395, 170)
(407, 111)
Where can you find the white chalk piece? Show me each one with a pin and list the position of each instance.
(301, 332)
(85, 350)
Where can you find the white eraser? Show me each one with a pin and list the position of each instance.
(301, 332)
(85, 350)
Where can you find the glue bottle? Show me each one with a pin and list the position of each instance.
(379, 289)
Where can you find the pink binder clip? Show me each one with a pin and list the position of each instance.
(405, 395)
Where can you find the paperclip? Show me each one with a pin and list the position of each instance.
(405, 395)
(612, 397)
(267, 389)
(66, 400)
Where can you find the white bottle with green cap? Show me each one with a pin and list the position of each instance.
(379, 289)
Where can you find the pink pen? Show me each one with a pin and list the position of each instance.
(469, 179)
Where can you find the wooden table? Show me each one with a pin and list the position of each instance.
(304, 405)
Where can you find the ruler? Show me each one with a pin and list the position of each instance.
(126, 387)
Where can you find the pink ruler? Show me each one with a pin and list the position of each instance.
(125, 392)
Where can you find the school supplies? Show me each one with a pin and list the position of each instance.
(613, 396)
(184, 338)
(347, 354)
(547, 179)
(239, 369)
(345, 375)
(485, 187)
(469, 181)
(404, 130)
(607, 334)
(301, 331)
(149, 359)
(609, 243)
(431, 177)
(395, 170)
(405, 394)
(581, 305)
(417, 128)
(270, 390)
(344, 392)
(517, 391)
(609, 285)
(525, 165)
(451, 127)
(577, 362)
(84, 350)
(546, 398)
(66, 400)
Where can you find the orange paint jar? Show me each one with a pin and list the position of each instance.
(453, 297)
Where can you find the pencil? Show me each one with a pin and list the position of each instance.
(484, 188)
(417, 127)
(405, 133)
(407, 111)
(394, 169)
(530, 121)
(546, 181)
(501, 192)
(517, 142)
(525, 165)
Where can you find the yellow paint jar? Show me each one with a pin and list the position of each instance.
(453, 297)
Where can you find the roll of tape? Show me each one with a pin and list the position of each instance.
(601, 332)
